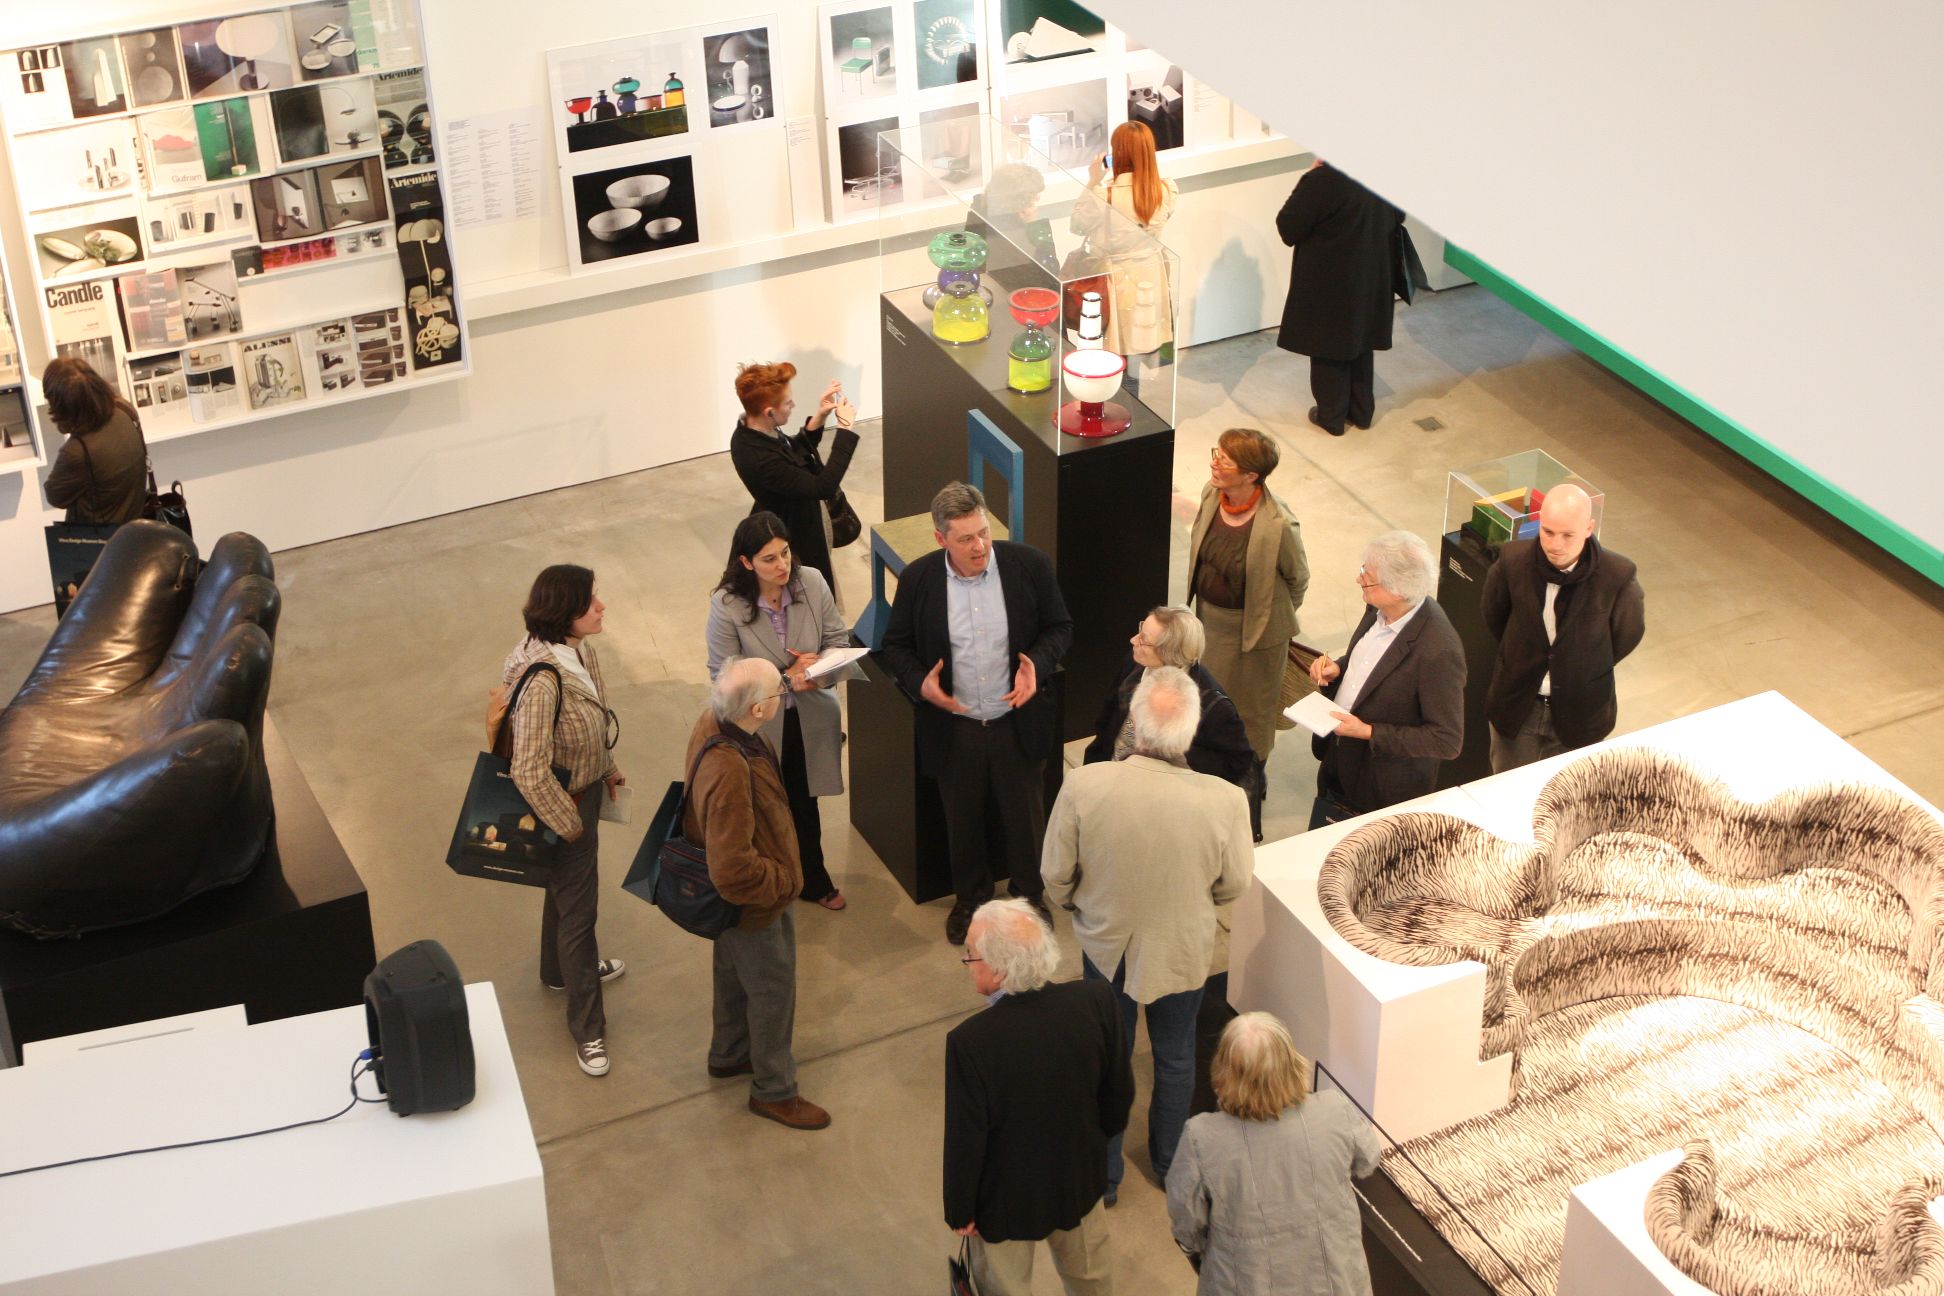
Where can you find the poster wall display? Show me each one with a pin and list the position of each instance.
(620, 93)
(741, 76)
(1032, 31)
(860, 55)
(859, 188)
(1066, 123)
(948, 36)
(153, 61)
(102, 239)
(186, 184)
(635, 210)
(16, 421)
(238, 54)
(1157, 97)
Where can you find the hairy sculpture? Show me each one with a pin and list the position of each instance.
(1672, 967)
(131, 761)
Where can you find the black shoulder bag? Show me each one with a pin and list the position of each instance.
(498, 836)
(672, 873)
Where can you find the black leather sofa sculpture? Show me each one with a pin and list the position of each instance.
(131, 761)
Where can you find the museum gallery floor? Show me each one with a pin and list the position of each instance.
(1670, 966)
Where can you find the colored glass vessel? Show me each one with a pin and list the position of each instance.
(1093, 376)
(626, 88)
(1029, 362)
(673, 95)
(961, 306)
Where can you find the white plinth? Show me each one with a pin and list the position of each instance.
(450, 1202)
(1404, 1041)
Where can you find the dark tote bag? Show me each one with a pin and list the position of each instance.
(672, 873)
(959, 1268)
(72, 548)
(498, 836)
(1407, 269)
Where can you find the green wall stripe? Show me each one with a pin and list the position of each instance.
(1925, 558)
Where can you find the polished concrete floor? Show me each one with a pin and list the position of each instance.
(658, 1180)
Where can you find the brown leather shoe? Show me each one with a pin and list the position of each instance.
(794, 1112)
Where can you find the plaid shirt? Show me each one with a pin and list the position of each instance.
(578, 743)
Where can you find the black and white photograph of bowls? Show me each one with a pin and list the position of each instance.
(636, 209)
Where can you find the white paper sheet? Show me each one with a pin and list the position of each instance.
(492, 165)
(1314, 713)
(834, 660)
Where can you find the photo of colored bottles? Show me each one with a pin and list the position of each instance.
(673, 96)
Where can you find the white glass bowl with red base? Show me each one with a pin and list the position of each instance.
(1092, 378)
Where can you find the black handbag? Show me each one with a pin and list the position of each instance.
(672, 873)
(1407, 269)
(845, 525)
(169, 506)
(959, 1267)
(72, 548)
(498, 835)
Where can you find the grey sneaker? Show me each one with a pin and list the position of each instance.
(593, 1057)
(610, 970)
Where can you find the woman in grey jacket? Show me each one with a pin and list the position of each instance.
(1259, 1192)
(770, 606)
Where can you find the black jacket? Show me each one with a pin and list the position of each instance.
(1221, 745)
(784, 477)
(1037, 624)
(1340, 287)
(1414, 703)
(102, 476)
(1605, 619)
(1034, 1087)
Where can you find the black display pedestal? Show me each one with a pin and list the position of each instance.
(1461, 593)
(292, 938)
(893, 807)
(1097, 507)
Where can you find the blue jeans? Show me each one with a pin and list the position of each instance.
(1171, 1034)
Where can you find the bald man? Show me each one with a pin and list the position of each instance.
(1565, 611)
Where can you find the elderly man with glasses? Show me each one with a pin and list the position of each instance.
(1400, 689)
(1035, 1085)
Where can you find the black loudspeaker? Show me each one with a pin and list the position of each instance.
(421, 1039)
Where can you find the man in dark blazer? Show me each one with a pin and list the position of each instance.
(976, 632)
(1565, 611)
(1035, 1086)
(1340, 290)
(1401, 689)
(784, 472)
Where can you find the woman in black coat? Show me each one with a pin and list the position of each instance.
(1340, 291)
(1172, 636)
(783, 472)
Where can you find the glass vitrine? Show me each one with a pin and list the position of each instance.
(1490, 503)
(1033, 281)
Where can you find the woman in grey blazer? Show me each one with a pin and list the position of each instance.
(1259, 1194)
(768, 606)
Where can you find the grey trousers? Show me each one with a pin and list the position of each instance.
(755, 1006)
(1535, 741)
(569, 955)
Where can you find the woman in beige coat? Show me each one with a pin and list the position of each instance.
(1247, 574)
(1122, 217)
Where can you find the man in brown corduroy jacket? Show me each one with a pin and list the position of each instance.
(739, 812)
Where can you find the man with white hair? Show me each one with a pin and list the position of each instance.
(1143, 850)
(1034, 1087)
(1564, 611)
(740, 814)
(1400, 690)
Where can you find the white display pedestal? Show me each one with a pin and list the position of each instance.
(448, 1202)
(1404, 1041)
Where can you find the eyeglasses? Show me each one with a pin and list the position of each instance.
(1216, 459)
(971, 958)
(1365, 580)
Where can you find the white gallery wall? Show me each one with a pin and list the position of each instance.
(594, 385)
(1743, 196)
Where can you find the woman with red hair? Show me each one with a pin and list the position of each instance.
(783, 471)
(1122, 216)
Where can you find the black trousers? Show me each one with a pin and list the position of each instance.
(1344, 389)
(803, 810)
(987, 778)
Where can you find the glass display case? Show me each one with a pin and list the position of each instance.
(1490, 503)
(1040, 288)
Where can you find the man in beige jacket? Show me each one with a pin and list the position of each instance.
(1142, 851)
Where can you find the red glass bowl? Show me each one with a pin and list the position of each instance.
(1039, 306)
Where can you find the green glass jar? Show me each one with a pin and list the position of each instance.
(961, 316)
(1029, 365)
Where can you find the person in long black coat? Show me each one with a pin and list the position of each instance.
(1338, 312)
(784, 472)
